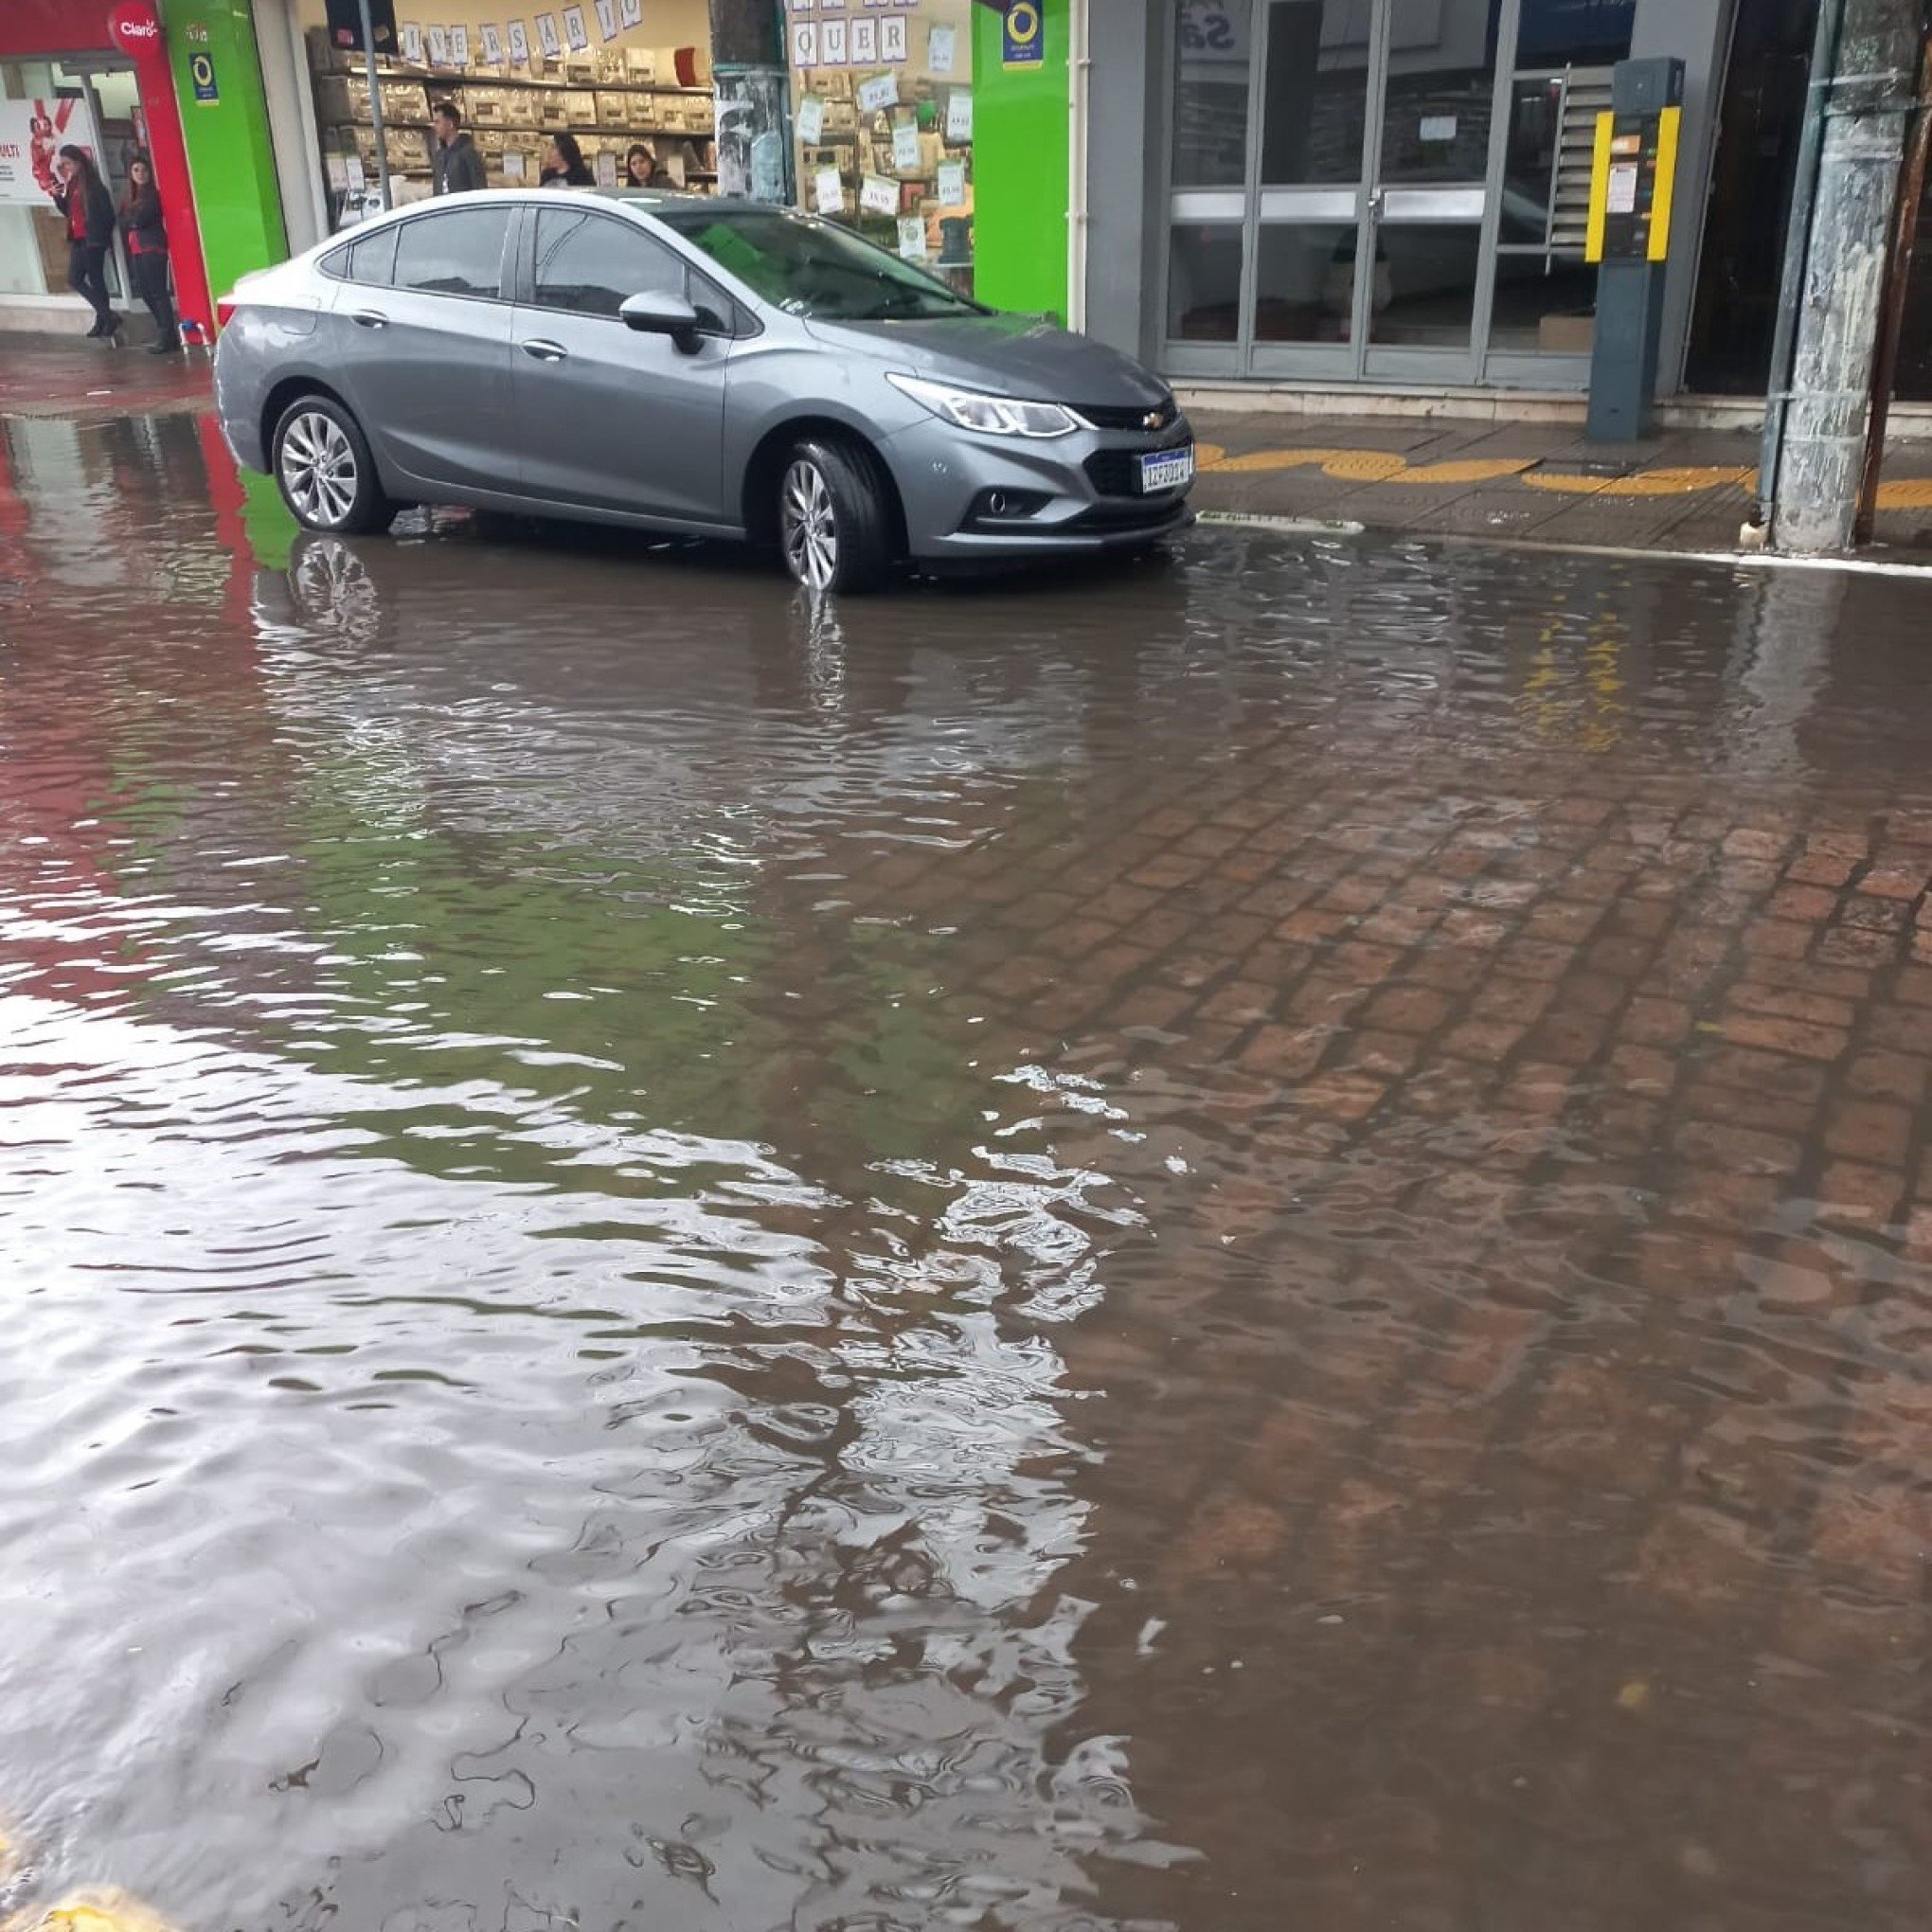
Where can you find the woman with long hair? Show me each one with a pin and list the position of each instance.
(564, 164)
(84, 201)
(147, 237)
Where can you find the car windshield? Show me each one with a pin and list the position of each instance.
(812, 268)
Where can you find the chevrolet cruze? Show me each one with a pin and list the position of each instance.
(694, 365)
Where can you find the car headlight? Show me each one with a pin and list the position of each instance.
(990, 415)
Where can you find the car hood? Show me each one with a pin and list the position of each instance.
(1010, 355)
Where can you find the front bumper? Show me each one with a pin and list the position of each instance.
(945, 476)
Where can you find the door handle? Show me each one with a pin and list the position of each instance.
(370, 318)
(546, 351)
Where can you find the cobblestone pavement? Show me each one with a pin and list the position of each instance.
(1213, 1247)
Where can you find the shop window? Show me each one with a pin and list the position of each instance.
(1213, 40)
(882, 109)
(644, 86)
(1203, 282)
(456, 251)
(592, 264)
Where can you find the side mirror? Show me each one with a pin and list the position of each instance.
(659, 314)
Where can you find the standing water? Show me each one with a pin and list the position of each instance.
(1216, 1247)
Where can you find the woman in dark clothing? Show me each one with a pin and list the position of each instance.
(565, 168)
(140, 219)
(89, 209)
(641, 169)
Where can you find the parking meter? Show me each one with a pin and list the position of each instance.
(1633, 184)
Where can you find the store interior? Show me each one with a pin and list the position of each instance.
(615, 74)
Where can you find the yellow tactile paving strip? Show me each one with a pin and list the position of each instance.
(1384, 465)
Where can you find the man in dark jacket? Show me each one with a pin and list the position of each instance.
(455, 165)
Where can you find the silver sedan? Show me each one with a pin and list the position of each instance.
(695, 366)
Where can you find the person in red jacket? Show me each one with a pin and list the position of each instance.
(84, 201)
(140, 220)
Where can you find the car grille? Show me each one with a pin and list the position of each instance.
(1117, 473)
(1129, 416)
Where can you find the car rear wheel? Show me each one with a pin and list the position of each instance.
(834, 525)
(326, 475)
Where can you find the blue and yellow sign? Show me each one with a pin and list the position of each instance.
(201, 70)
(1022, 34)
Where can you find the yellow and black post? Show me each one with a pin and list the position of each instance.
(1632, 187)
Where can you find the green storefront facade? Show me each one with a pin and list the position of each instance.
(225, 124)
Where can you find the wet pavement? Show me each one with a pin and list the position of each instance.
(1210, 1247)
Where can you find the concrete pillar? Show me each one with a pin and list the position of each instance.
(754, 100)
(1866, 108)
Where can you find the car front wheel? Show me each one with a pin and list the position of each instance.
(326, 475)
(833, 522)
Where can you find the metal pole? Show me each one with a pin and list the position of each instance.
(368, 42)
(1898, 278)
(1804, 188)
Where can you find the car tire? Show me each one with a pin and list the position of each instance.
(835, 521)
(324, 471)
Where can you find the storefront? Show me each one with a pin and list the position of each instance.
(613, 75)
(99, 77)
(883, 112)
(1392, 193)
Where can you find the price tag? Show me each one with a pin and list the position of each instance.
(827, 192)
(879, 92)
(960, 115)
(878, 196)
(906, 147)
(951, 188)
(810, 120)
(939, 43)
(912, 238)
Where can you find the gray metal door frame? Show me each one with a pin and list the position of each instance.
(1254, 206)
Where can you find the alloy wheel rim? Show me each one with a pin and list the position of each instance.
(318, 470)
(811, 526)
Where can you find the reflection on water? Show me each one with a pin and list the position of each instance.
(1208, 1247)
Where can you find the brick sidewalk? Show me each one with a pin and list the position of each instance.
(1680, 489)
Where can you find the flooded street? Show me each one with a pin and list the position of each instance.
(1213, 1248)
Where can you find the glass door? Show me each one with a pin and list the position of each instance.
(1429, 212)
(1333, 202)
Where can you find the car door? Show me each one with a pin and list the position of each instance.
(607, 418)
(425, 352)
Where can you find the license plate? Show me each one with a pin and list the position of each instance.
(1167, 470)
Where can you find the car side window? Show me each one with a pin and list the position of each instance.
(372, 259)
(455, 253)
(591, 264)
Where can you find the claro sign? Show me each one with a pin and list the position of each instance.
(134, 27)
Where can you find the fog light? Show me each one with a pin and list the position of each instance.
(1006, 506)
